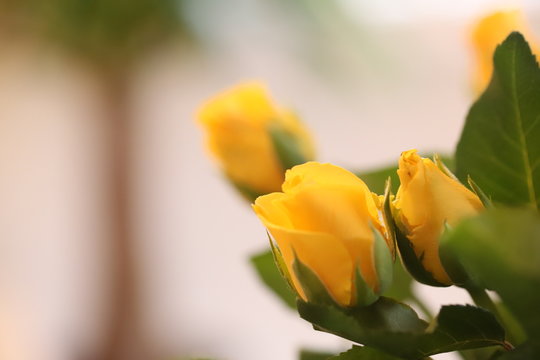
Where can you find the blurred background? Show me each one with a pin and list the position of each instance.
(119, 238)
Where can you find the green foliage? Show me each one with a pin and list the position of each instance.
(499, 146)
(103, 30)
(363, 353)
(500, 249)
(314, 355)
(395, 328)
(375, 179)
(268, 272)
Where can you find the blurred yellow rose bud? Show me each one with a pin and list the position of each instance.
(489, 32)
(428, 199)
(253, 140)
(326, 227)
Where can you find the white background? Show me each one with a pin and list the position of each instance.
(405, 84)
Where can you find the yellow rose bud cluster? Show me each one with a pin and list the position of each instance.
(244, 129)
(326, 218)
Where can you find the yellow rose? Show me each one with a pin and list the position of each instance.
(427, 199)
(250, 137)
(329, 220)
(489, 32)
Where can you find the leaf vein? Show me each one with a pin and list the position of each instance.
(522, 137)
(532, 126)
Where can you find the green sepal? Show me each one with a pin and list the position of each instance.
(453, 267)
(363, 294)
(387, 216)
(314, 289)
(442, 166)
(268, 271)
(247, 193)
(280, 264)
(401, 288)
(486, 200)
(402, 283)
(411, 261)
(383, 261)
(286, 146)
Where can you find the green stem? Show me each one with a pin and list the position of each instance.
(482, 299)
(422, 307)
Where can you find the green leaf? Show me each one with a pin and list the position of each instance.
(268, 272)
(287, 147)
(395, 328)
(363, 353)
(499, 145)
(314, 355)
(500, 250)
(375, 179)
(388, 217)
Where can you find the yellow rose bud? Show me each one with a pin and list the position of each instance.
(489, 32)
(248, 134)
(327, 219)
(427, 199)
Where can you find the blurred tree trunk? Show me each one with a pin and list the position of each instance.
(121, 338)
